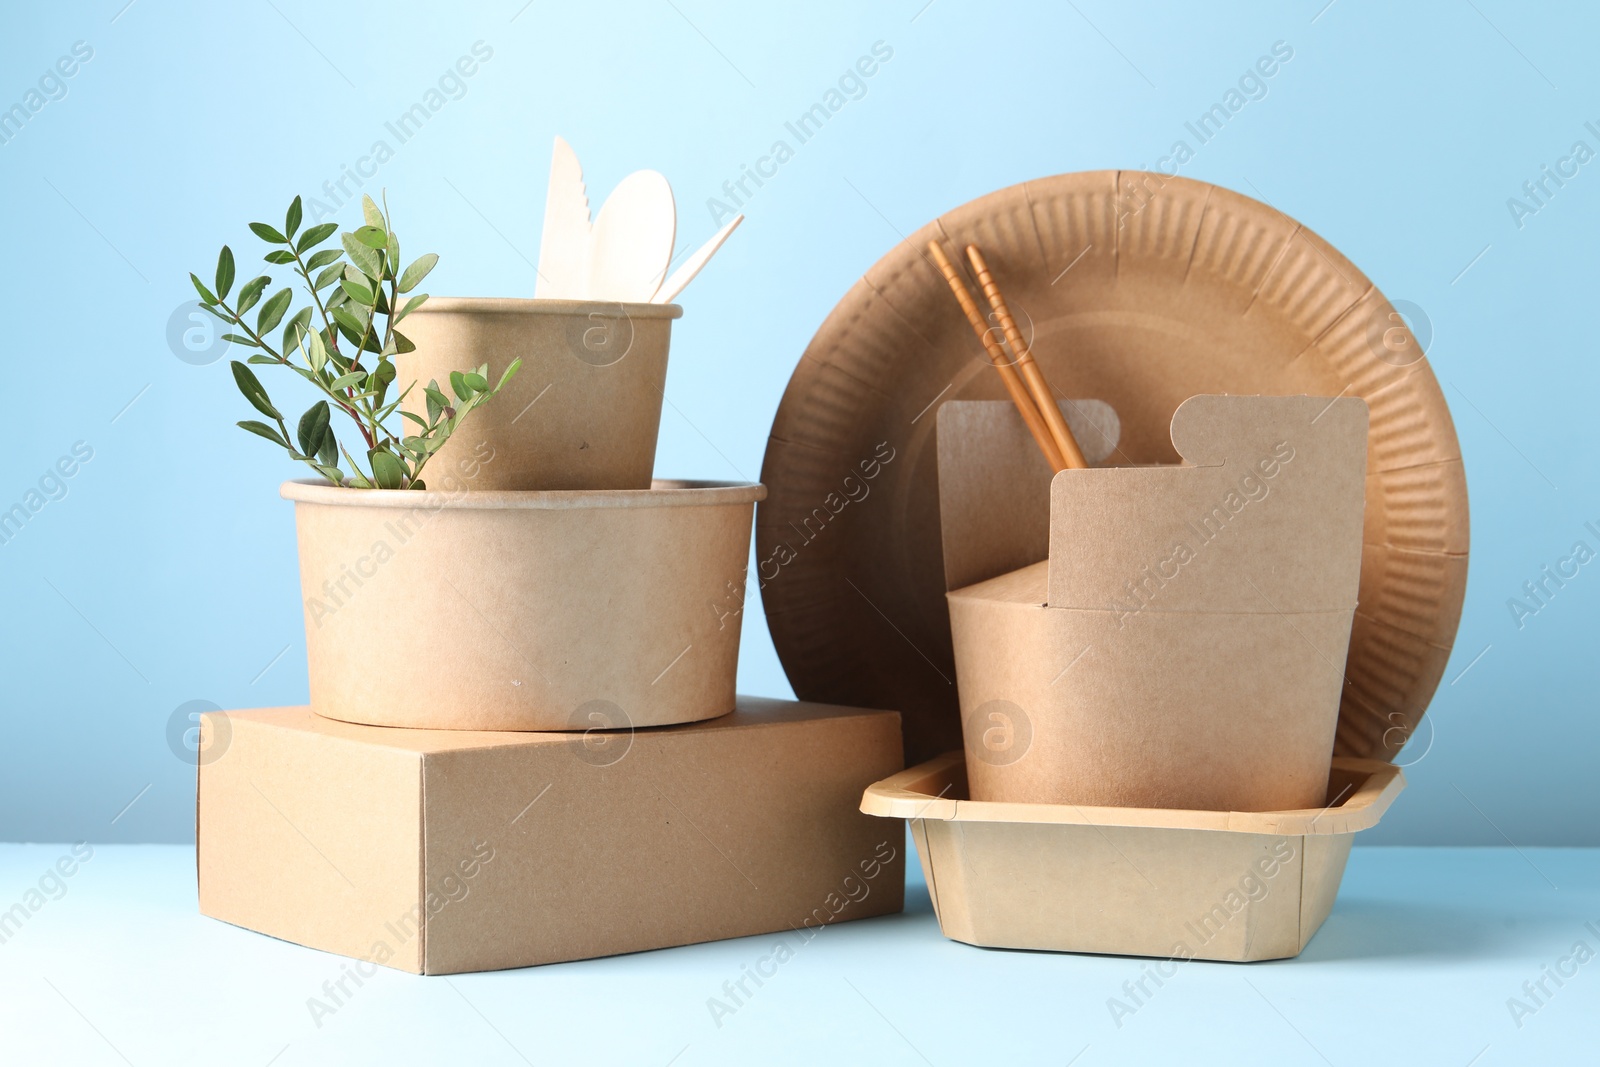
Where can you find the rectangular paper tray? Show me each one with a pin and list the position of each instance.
(1221, 885)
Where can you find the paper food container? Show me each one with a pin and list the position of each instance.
(584, 410)
(1181, 884)
(1178, 637)
(452, 609)
(438, 852)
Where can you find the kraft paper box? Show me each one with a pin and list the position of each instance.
(440, 852)
(1174, 884)
(1180, 640)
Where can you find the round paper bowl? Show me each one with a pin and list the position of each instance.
(460, 610)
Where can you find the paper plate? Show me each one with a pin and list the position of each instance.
(1140, 290)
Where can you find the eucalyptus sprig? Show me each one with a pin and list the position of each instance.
(364, 283)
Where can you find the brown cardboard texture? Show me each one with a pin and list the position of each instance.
(1142, 290)
(445, 851)
(584, 410)
(1182, 884)
(543, 611)
(1183, 645)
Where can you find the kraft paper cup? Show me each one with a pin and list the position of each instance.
(457, 610)
(584, 410)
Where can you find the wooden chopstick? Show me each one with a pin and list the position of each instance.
(1008, 374)
(1059, 431)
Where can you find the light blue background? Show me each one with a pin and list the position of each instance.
(167, 573)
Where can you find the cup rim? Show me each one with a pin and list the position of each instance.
(511, 305)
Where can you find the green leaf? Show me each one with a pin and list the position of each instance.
(328, 454)
(348, 324)
(321, 259)
(458, 383)
(412, 276)
(224, 272)
(205, 294)
(279, 256)
(329, 276)
(387, 470)
(380, 380)
(329, 470)
(316, 351)
(246, 380)
(357, 292)
(233, 338)
(372, 236)
(295, 330)
(437, 401)
(354, 336)
(345, 381)
(250, 292)
(267, 233)
(313, 424)
(414, 417)
(261, 429)
(510, 372)
(272, 311)
(392, 250)
(314, 236)
(262, 360)
(370, 213)
(476, 382)
(411, 305)
(365, 259)
(291, 221)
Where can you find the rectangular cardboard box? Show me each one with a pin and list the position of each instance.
(1177, 883)
(439, 852)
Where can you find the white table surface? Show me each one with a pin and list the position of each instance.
(1415, 966)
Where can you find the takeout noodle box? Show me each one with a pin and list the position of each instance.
(1182, 884)
(584, 410)
(458, 610)
(1183, 645)
(439, 852)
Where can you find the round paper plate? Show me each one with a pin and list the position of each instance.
(1140, 290)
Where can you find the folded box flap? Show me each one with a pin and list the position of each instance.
(1264, 515)
(994, 484)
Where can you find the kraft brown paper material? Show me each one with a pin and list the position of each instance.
(1142, 290)
(542, 611)
(1135, 881)
(445, 851)
(1183, 645)
(584, 410)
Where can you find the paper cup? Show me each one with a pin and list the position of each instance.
(583, 411)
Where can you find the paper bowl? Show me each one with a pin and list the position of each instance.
(458, 610)
(584, 410)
